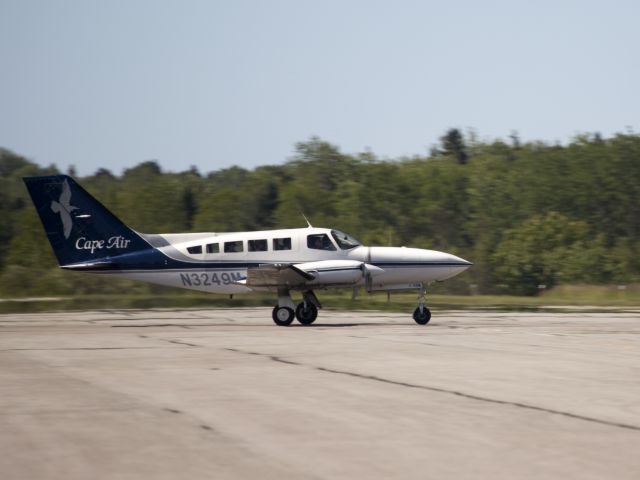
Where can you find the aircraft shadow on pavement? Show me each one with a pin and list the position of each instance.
(248, 325)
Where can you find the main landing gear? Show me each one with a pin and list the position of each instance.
(282, 316)
(306, 312)
(422, 314)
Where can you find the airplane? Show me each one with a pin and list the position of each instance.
(87, 237)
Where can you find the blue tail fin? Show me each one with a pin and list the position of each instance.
(80, 229)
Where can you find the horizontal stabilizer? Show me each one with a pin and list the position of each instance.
(99, 265)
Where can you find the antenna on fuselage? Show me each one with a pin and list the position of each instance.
(306, 220)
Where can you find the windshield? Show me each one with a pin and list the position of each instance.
(344, 241)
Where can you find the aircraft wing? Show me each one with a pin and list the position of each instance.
(311, 274)
(277, 275)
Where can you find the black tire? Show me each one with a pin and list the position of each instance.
(282, 316)
(306, 315)
(422, 318)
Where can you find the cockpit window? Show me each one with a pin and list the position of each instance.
(344, 241)
(320, 241)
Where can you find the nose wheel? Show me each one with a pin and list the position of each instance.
(422, 314)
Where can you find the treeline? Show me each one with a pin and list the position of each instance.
(527, 214)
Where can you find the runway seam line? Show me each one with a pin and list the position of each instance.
(444, 390)
(74, 348)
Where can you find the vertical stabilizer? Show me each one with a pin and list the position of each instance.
(79, 228)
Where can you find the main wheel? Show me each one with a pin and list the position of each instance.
(306, 314)
(282, 316)
(422, 317)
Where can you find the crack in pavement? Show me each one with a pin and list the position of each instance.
(457, 393)
(150, 325)
(180, 342)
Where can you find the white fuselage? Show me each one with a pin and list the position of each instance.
(207, 261)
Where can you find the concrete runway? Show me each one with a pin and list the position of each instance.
(168, 394)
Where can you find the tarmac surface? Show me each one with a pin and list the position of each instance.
(168, 394)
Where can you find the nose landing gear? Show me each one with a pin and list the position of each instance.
(422, 314)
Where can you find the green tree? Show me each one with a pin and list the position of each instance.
(453, 144)
(541, 251)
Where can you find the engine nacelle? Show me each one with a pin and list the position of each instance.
(338, 272)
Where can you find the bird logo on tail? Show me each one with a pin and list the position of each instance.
(64, 208)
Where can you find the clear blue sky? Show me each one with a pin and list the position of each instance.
(213, 83)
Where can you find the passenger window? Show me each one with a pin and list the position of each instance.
(257, 245)
(213, 248)
(282, 244)
(195, 250)
(233, 247)
(320, 241)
